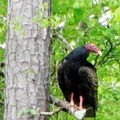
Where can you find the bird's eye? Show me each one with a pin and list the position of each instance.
(94, 47)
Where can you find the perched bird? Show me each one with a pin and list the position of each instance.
(77, 78)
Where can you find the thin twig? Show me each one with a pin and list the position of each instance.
(105, 57)
(51, 113)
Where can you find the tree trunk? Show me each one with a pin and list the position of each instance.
(27, 61)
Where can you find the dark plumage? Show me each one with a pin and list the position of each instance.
(78, 76)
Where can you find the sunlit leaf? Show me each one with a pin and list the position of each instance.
(117, 14)
(32, 111)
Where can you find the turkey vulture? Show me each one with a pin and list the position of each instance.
(77, 77)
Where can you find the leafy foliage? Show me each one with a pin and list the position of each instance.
(3, 11)
(85, 22)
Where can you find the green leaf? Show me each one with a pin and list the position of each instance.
(20, 113)
(76, 4)
(32, 111)
(44, 22)
(78, 14)
(117, 14)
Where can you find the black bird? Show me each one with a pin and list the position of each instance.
(77, 78)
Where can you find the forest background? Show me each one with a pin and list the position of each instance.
(75, 23)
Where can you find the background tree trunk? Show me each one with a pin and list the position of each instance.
(27, 60)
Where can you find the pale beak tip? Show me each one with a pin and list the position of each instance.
(99, 53)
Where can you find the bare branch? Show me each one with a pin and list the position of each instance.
(49, 113)
(59, 36)
(110, 58)
(59, 102)
(64, 105)
(117, 44)
(79, 114)
(105, 56)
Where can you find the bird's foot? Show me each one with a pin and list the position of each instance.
(79, 108)
(71, 100)
(71, 104)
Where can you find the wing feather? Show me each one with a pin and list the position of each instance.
(89, 83)
(62, 81)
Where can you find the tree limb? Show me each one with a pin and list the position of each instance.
(59, 102)
(59, 36)
(64, 105)
(79, 114)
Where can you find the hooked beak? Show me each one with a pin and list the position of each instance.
(99, 53)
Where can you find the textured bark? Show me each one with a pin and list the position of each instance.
(27, 61)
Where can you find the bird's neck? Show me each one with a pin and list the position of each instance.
(79, 54)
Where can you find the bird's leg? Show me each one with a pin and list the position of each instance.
(71, 99)
(71, 104)
(80, 103)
